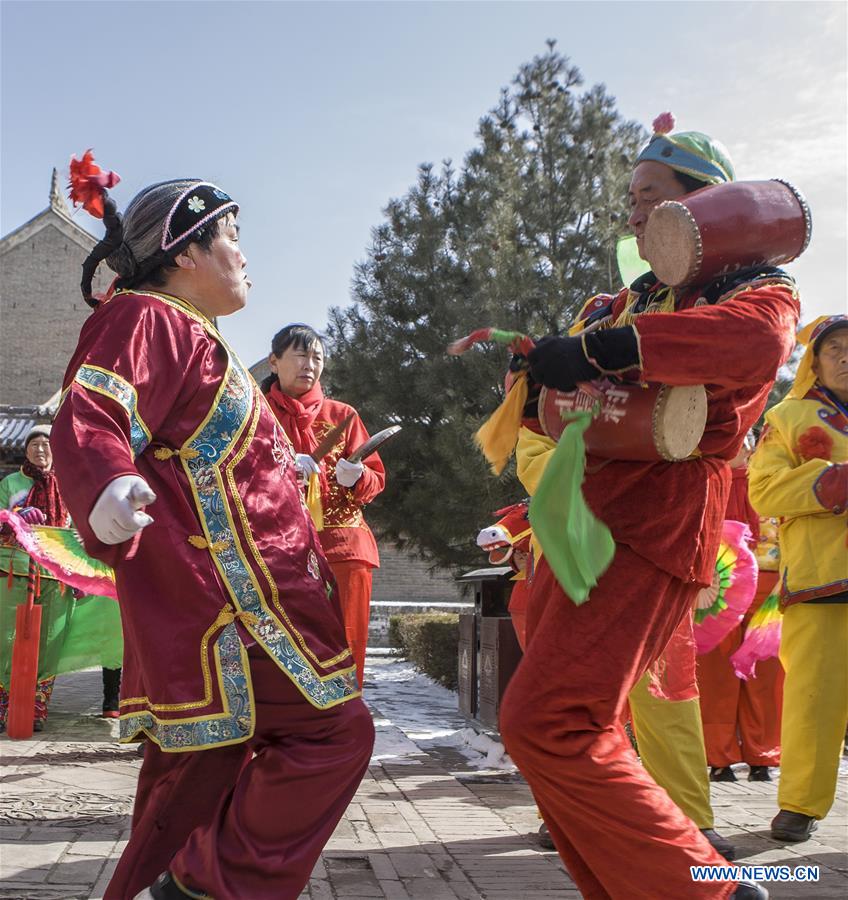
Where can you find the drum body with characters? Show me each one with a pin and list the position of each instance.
(646, 422)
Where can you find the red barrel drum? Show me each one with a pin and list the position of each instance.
(724, 227)
(648, 422)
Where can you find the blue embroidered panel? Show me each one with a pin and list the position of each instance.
(231, 414)
(235, 724)
(111, 385)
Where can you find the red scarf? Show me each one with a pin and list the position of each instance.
(297, 415)
(44, 494)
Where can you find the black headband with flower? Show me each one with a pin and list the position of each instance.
(197, 205)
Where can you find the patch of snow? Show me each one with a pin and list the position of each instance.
(496, 755)
(414, 714)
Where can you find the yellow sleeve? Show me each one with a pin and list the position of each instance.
(532, 453)
(779, 483)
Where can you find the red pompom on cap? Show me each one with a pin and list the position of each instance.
(87, 183)
(663, 124)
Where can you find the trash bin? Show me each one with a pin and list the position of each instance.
(500, 654)
(467, 655)
(488, 651)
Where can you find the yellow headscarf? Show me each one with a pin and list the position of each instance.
(805, 377)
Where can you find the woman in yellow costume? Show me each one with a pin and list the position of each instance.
(800, 473)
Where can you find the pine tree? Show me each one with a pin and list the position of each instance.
(518, 238)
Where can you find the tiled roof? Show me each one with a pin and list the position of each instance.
(16, 421)
(13, 431)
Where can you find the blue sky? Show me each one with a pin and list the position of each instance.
(313, 115)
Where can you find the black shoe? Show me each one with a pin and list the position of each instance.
(543, 836)
(749, 890)
(759, 773)
(38, 725)
(722, 773)
(792, 826)
(165, 888)
(720, 844)
(111, 692)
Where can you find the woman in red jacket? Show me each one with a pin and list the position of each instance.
(294, 392)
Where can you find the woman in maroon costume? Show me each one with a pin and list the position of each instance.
(236, 665)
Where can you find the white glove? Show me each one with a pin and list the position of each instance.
(306, 466)
(348, 473)
(116, 516)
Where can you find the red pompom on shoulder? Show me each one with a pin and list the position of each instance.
(663, 124)
(815, 443)
(87, 183)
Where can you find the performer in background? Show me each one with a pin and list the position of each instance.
(294, 393)
(507, 542)
(179, 476)
(617, 831)
(742, 717)
(77, 632)
(799, 472)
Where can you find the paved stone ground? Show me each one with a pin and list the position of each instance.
(424, 823)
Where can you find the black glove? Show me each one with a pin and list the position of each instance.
(559, 362)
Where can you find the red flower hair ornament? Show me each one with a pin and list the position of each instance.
(815, 443)
(88, 182)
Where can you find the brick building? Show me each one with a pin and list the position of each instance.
(41, 308)
(41, 313)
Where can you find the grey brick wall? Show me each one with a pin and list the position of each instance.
(401, 577)
(41, 313)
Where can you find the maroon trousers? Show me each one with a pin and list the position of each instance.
(618, 833)
(248, 820)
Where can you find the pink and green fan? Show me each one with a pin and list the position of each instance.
(721, 607)
(762, 638)
(60, 551)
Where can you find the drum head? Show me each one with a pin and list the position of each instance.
(679, 419)
(673, 243)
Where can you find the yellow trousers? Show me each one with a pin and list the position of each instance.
(814, 653)
(671, 746)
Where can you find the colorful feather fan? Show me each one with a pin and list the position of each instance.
(720, 607)
(762, 638)
(60, 551)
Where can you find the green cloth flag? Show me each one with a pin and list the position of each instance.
(576, 544)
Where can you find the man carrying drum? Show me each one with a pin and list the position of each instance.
(560, 719)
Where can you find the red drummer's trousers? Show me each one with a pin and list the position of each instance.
(353, 579)
(248, 820)
(618, 833)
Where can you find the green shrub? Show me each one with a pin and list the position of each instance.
(429, 641)
(396, 633)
